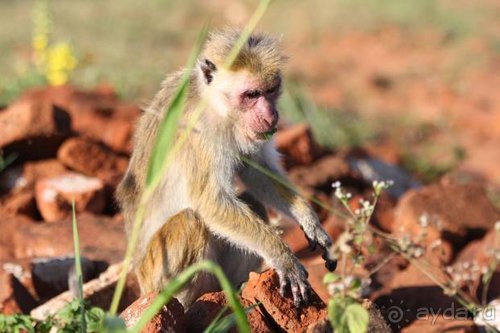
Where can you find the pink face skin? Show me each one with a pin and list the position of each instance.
(258, 104)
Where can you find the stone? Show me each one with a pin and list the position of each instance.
(33, 129)
(101, 238)
(97, 292)
(453, 212)
(54, 196)
(206, 308)
(10, 225)
(54, 275)
(93, 159)
(264, 289)
(297, 145)
(20, 202)
(97, 114)
(322, 173)
(170, 318)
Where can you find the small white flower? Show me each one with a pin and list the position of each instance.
(336, 184)
(424, 220)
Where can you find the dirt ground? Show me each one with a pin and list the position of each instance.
(422, 99)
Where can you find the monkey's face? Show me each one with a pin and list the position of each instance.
(256, 105)
(245, 99)
(250, 103)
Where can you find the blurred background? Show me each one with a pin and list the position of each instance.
(419, 78)
(406, 90)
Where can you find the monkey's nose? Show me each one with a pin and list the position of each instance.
(271, 119)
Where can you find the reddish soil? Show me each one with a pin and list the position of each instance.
(63, 133)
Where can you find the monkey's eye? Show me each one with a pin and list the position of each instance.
(252, 94)
(272, 90)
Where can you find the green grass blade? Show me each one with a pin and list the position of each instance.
(170, 122)
(78, 265)
(6, 161)
(180, 280)
(247, 31)
(216, 321)
(224, 324)
(160, 153)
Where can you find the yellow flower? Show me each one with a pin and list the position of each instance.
(60, 62)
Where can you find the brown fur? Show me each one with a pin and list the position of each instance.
(195, 213)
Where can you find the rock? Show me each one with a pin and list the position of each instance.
(10, 225)
(206, 308)
(264, 288)
(411, 293)
(376, 323)
(93, 159)
(98, 292)
(101, 238)
(19, 299)
(54, 196)
(372, 169)
(33, 171)
(321, 326)
(104, 118)
(20, 177)
(297, 145)
(17, 291)
(383, 216)
(52, 276)
(20, 202)
(322, 173)
(481, 253)
(33, 129)
(384, 275)
(97, 114)
(454, 213)
(170, 318)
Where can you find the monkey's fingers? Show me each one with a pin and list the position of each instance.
(330, 264)
(305, 291)
(317, 236)
(312, 244)
(296, 293)
(284, 282)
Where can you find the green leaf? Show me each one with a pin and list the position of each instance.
(336, 314)
(330, 278)
(355, 283)
(358, 239)
(113, 325)
(78, 267)
(357, 318)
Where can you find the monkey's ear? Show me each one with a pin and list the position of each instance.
(208, 68)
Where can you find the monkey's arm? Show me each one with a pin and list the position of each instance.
(273, 193)
(226, 216)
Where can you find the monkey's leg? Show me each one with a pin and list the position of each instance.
(182, 241)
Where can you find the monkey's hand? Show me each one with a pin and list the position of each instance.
(293, 275)
(316, 235)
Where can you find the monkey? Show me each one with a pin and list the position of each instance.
(196, 212)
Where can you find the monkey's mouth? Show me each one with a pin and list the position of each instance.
(267, 135)
(265, 124)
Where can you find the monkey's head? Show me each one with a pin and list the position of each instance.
(243, 95)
